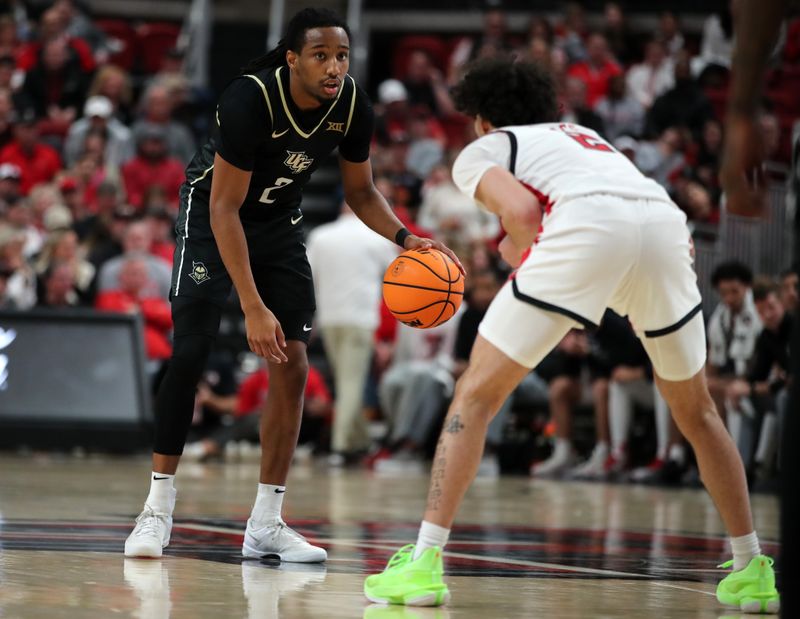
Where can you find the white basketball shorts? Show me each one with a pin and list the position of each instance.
(603, 251)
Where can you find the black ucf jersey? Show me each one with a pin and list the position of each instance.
(260, 129)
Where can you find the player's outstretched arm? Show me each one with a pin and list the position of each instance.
(519, 211)
(228, 190)
(372, 208)
(756, 29)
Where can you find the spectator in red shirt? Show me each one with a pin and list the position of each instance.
(250, 400)
(38, 162)
(152, 166)
(56, 85)
(53, 25)
(597, 69)
(131, 298)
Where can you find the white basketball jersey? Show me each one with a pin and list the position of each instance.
(557, 161)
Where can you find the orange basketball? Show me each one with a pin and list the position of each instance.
(423, 288)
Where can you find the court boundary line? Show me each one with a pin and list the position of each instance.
(486, 559)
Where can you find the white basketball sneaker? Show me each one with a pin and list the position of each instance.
(150, 535)
(278, 540)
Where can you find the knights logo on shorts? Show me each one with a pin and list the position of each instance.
(199, 272)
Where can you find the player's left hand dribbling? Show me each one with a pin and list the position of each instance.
(416, 242)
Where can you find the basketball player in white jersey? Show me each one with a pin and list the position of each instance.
(585, 231)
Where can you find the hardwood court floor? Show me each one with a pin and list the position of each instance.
(522, 548)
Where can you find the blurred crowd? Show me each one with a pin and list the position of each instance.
(93, 145)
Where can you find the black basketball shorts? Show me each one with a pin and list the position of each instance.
(278, 261)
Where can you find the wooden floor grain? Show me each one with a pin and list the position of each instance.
(522, 548)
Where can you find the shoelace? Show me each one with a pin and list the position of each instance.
(149, 523)
(401, 557)
(727, 564)
(281, 528)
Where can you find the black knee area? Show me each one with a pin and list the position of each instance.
(195, 324)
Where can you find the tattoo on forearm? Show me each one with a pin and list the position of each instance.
(454, 426)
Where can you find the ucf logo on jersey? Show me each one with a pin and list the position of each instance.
(297, 162)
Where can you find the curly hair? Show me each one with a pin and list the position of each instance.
(505, 92)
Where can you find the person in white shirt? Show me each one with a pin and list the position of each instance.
(652, 77)
(348, 261)
(585, 231)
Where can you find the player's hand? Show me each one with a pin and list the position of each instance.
(510, 252)
(415, 242)
(742, 173)
(264, 334)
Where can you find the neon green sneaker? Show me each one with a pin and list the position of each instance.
(409, 582)
(752, 589)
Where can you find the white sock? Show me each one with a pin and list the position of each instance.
(269, 501)
(162, 492)
(744, 549)
(677, 453)
(430, 535)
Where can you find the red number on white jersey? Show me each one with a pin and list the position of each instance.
(585, 140)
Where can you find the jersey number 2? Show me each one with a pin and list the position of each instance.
(279, 182)
(592, 143)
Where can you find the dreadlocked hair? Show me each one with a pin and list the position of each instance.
(295, 36)
(505, 92)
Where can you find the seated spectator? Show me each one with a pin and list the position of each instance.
(566, 369)
(760, 397)
(732, 331)
(19, 217)
(133, 295)
(136, 242)
(538, 50)
(596, 70)
(37, 161)
(157, 110)
(10, 177)
(245, 409)
(10, 78)
(114, 84)
(20, 290)
(152, 167)
(668, 31)
(452, 217)
(56, 87)
(493, 40)
(101, 232)
(9, 38)
(425, 151)
(394, 116)
(789, 289)
(98, 117)
(162, 231)
(684, 105)
(79, 25)
(426, 86)
(620, 113)
(6, 114)
(52, 27)
(622, 41)
(661, 158)
(652, 77)
(58, 288)
(631, 384)
(576, 109)
(6, 302)
(62, 248)
(414, 388)
(707, 160)
(571, 33)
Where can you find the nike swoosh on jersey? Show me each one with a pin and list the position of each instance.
(306, 328)
(295, 221)
(277, 135)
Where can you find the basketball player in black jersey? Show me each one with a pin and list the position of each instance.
(240, 224)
